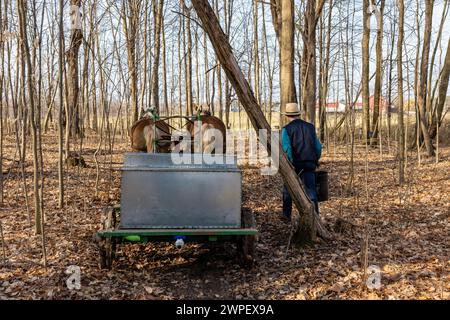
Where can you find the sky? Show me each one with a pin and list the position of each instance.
(242, 42)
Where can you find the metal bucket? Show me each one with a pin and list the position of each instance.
(322, 185)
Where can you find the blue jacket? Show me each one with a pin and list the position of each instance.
(300, 143)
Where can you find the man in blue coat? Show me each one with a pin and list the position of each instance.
(303, 148)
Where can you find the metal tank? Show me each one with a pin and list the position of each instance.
(160, 194)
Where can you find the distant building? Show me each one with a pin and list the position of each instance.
(383, 104)
(335, 107)
(339, 107)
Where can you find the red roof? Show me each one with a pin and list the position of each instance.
(335, 105)
(332, 105)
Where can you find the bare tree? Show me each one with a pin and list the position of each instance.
(2, 79)
(187, 35)
(164, 66)
(157, 16)
(73, 85)
(312, 15)
(27, 66)
(422, 94)
(61, 105)
(130, 17)
(401, 127)
(365, 69)
(324, 59)
(378, 74)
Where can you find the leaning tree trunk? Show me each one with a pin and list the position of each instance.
(307, 223)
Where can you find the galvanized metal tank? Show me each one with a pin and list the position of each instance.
(160, 194)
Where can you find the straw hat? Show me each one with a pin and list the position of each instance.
(292, 109)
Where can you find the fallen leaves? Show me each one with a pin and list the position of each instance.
(408, 239)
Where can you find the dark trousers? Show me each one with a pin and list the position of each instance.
(308, 177)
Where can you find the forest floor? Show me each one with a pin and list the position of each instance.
(408, 235)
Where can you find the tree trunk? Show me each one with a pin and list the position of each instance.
(228, 8)
(26, 63)
(188, 58)
(157, 16)
(390, 80)
(2, 78)
(219, 78)
(312, 14)
(145, 67)
(180, 68)
(269, 67)
(73, 85)
(431, 91)
(324, 76)
(378, 74)
(283, 20)
(256, 64)
(422, 98)
(131, 24)
(365, 69)
(164, 66)
(206, 62)
(61, 106)
(401, 127)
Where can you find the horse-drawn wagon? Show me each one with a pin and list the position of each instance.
(166, 200)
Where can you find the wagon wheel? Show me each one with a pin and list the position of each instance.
(107, 246)
(247, 244)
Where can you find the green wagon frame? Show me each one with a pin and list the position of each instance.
(110, 236)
